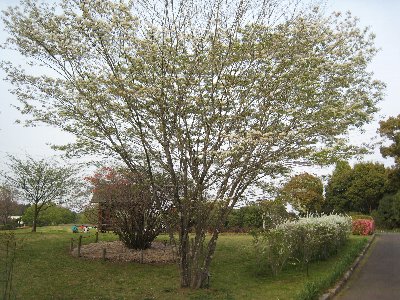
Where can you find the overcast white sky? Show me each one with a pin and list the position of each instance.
(381, 16)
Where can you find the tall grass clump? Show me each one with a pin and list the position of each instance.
(8, 248)
(302, 241)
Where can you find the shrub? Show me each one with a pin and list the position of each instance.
(363, 227)
(305, 240)
(318, 238)
(128, 198)
(275, 247)
(274, 212)
(388, 213)
(9, 226)
(264, 215)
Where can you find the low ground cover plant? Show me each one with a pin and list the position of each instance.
(363, 227)
(303, 241)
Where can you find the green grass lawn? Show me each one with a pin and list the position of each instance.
(44, 269)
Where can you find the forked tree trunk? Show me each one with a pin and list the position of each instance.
(195, 254)
(201, 272)
(194, 270)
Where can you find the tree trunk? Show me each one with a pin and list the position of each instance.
(184, 253)
(35, 215)
(185, 272)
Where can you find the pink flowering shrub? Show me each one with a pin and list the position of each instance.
(363, 227)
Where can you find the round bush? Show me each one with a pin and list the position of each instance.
(363, 227)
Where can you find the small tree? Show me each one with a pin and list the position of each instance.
(336, 189)
(40, 182)
(367, 187)
(274, 213)
(304, 192)
(135, 216)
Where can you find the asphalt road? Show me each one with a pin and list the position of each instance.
(378, 275)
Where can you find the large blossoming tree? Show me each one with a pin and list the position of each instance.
(216, 95)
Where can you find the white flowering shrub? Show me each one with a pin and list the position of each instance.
(274, 249)
(304, 240)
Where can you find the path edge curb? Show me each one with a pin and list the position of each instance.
(340, 284)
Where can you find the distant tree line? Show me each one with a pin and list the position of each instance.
(367, 188)
(50, 215)
(370, 188)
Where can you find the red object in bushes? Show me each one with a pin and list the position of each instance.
(363, 227)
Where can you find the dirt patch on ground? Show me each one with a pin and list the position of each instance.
(117, 251)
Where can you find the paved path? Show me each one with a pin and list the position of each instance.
(378, 275)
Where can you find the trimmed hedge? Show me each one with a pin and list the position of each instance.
(361, 216)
